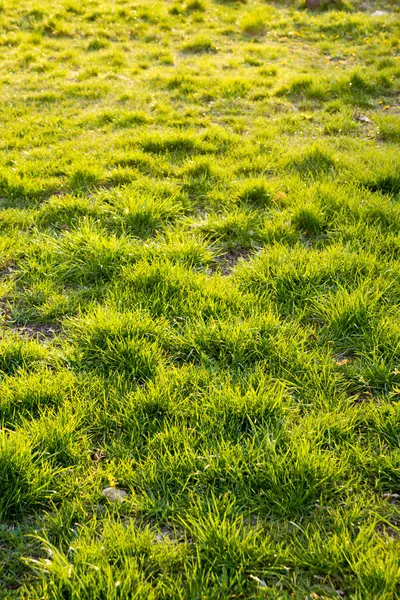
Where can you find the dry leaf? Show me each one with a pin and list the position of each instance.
(342, 362)
(280, 196)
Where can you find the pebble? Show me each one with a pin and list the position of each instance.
(114, 495)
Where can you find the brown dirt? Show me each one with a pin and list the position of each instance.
(391, 529)
(38, 331)
(226, 262)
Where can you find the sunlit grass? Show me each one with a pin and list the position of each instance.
(199, 236)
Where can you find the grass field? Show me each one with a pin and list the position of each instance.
(200, 300)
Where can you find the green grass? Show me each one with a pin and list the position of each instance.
(199, 273)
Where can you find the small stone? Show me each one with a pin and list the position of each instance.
(379, 13)
(392, 498)
(114, 495)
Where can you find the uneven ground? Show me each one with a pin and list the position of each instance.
(200, 283)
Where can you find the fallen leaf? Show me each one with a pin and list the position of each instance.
(342, 362)
(280, 196)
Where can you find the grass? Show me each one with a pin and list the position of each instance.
(199, 234)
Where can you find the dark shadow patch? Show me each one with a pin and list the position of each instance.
(22, 192)
(313, 163)
(387, 184)
(199, 45)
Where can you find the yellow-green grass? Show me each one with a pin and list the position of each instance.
(200, 287)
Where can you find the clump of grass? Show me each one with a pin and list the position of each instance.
(308, 220)
(306, 88)
(87, 255)
(25, 476)
(238, 228)
(253, 25)
(313, 162)
(386, 183)
(175, 10)
(389, 129)
(59, 435)
(22, 192)
(195, 6)
(19, 355)
(199, 45)
(199, 169)
(83, 179)
(255, 193)
(349, 317)
(33, 391)
(66, 211)
(144, 215)
(115, 343)
(97, 44)
(174, 143)
(190, 251)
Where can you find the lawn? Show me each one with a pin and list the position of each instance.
(200, 300)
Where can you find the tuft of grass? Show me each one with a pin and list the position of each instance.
(255, 193)
(17, 355)
(25, 476)
(253, 25)
(195, 6)
(113, 344)
(141, 216)
(199, 45)
(314, 162)
(388, 128)
(82, 180)
(308, 220)
(98, 44)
